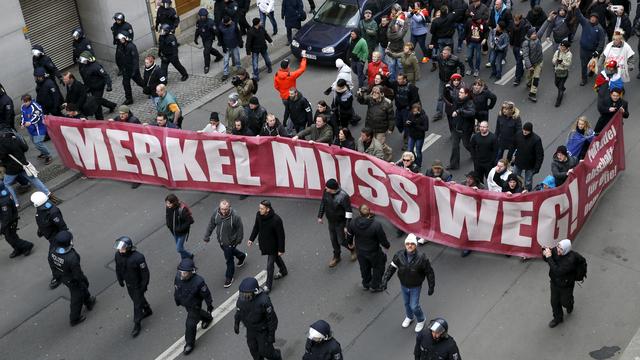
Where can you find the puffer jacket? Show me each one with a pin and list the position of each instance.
(380, 114)
(321, 135)
(507, 128)
(285, 79)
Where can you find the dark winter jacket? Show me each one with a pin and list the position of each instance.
(206, 30)
(255, 118)
(518, 33)
(529, 152)
(229, 228)
(48, 96)
(484, 101)
(277, 130)
(153, 76)
(10, 144)
(506, 130)
(368, 234)
(380, 116)
(132, 269)
(179, 219)
(396, 38)
(484, 148)
(131, 59)
(412, 270)
(167, 16)
(325, 350)
(562, 269)
(67, 268)
(299, 110)
(124, 28)
(560, 169)
(536, 17)
(405, 95)
(448, 67)
(416, 125)
(191, 292)
(593, 36)
(505, 15)
(95, 77)
(292, 11)
(604, 103)
(257, 39)
(342, 107)
(47, 64)
(50, 221)
(77, 94)
(427, 348)
(532, 50)
(269, 231)
(229, 36)
(464, 121)
(348, 144)
(337, 207)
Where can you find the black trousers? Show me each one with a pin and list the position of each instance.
(12, 237)
(140, 304)
(559, 82)
(372, 266)
(456, 136)
(277, 259)
(175, 61)
(194, 315)
(101, 101)
(242, 21)
(336, 234)
(482, 170)
(127, 76)
(208, 51)
(79, 295)
(260, 348)
(561, 297)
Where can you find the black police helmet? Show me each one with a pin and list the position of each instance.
(249, 284)
(123, 242)
(439, 326)
(118, 16)
(187, 265)
(39, 72)
(77, 33)
(203, 12)
(322, 327)
(166, 28)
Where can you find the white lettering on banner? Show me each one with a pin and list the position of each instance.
(512, 220)
(401, 185)
(243, 164)
(346, 178)
(328, 165)
(381, 197)
(596, 146)
(183, 159)
(148, 149)
(120, 154)
(215, 161)
(479, 224)
(84, 152)
(553, 220)
(301, 165)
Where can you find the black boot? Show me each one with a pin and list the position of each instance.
(559, 98)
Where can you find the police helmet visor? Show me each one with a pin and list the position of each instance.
(184, 275)
(122, 36)
(36, 52)
(314, 335)
(436, 327)
(76, 34)
(120, 245)
(83, 60)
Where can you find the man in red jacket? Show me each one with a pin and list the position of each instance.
(285, 79)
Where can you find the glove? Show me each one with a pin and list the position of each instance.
(209, 308)
(236, 328)
(195, 41)
(328, 91)
(430, 292)
(206, 239)
(109, 88)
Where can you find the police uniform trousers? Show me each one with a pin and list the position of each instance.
(208, 51)
(127, 76)
(79, 296)
(260, 348)
(140, 304)
(561, 297)
(98, 95)
(194, 315)
(175, 61)
(372, 267)
(12, 237)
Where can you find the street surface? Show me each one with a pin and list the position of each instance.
(497, 307)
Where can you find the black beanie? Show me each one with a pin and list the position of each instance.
(255, 21)
(284, 63)
(332, 184)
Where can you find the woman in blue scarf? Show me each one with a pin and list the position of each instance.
(579, 139)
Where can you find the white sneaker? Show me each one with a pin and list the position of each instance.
(420, 326)
(407, 322)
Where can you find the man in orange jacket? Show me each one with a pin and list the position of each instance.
(285, 79)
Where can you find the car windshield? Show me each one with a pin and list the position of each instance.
(337, 13)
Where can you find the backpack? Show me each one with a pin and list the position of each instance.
(255, 86)
(581, 267)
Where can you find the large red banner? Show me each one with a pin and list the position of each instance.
(450, 214)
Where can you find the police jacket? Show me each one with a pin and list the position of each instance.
(336, 206)
(324, 350)
(67, 267)
(76, 94)
(50, 221)
(562, 269)
(229, 228)
(412, 270)
(299, 109)
(205, 29)
(167, 16)
(132, 269)
(47, 64)
(179, 219)
(429, 349)
(124, 28)
(368, 234)
(130, 58)
(12, 144)
(80, 45)
(167, 46)
(48, 95)
(380, 115)
(449, 66)
(95, 77)
(257, 315)
(8, 212)
(529, 152)
(7, 111)
(191, 292)
(270, 233)
(153, 76)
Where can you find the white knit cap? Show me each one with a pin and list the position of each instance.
(411, 239)
(565, 245)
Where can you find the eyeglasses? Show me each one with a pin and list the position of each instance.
(406, 160)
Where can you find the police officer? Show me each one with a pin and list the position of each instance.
(50, 222)
(47, 93)
(65, 263)
(129, 60)
(255, 311)
(434, 343)
(41, 60)
(9, 226)
(167, 15)
(336, 205)
(320, 343)
(7, 110)
(132, 270)
(168, 51)
(80, 44)
(190, 291)
(95, 79)
(562, 272)
(120, 26)
(206, 29)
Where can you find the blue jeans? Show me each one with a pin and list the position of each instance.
(495, 59)
(528, 176)
(272, 19)
(255, 60)
(395, 67)
(180, 240)
(230, 252)
(415, 146)
(235, 52)
(9, 179)
(401, 116)
(38, 141)
(474, 52)
(358, 68)
(519, 63)
(412, 307)
(460, 31)
(440, 103)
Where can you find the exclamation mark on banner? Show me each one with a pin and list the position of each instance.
(573, 191)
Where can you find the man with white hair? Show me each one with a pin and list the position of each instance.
(563, 266)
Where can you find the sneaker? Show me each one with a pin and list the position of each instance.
(241, 262)
(553, 323)
(334, 261)
(228, 282)
(504, 61)
(266, 289)
(488, 65)
(419, 326)
(224, 77)
(354, 255)
(136, 330)
(184, 77)
(467, 72)
(78, 321)
(406, 322)
(516, 82)
(476, 73)
(425, 60)
(14, 254)
(279, 275)
(533, 97)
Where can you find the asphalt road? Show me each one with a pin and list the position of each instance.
(497, 307)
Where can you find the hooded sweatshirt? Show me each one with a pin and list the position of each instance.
(285, 79)
(368, 235)
(344, 72)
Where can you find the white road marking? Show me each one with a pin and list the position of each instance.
(218, 314)
(430, 140)
(506, 77)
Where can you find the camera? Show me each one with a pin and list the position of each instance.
(235, 80)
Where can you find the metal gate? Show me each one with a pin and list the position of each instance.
(50, 23)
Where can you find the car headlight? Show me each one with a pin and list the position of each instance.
(295, 43)
(328, 50)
